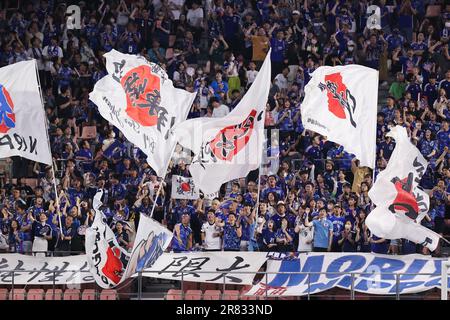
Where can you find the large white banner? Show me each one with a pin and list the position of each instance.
(44, 270)
(401, 204)
(23, 129)
(341, 104)
(229, 147)
(374, 274)
(194, 266)
(139, 99)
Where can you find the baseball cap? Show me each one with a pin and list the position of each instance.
(296, 12)
(281, 203)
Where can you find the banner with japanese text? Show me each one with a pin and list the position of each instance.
(208, 267)
(372, 274)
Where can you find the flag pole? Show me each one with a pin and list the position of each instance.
(49, 148)
(162, 181)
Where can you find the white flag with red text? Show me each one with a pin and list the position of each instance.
(401, 204)
(23, 129)
(139, 99)
(341, 104)
(229, 147)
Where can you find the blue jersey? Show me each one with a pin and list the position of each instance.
(23, 222)
(430, 91)
(278, 50)
(41, 230)
(338, 226)
(415, 90)
(185, 232)
(322, 229)
(268, 236)
(231, 241)
(427, 146)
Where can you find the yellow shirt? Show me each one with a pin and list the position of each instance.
(260, 47)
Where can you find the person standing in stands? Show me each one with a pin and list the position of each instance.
(42, 233)
(211, 233)
(323, 231)
(182, 234)
(67, 232)
(232, 233)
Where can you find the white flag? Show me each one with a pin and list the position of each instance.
(228, 148)
(109, 263)
(106, 259)
(184, 188)
(401, 204)
(138, 98)
(23, 129)
(341, 104)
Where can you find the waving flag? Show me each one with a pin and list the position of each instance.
(22, 118)
(138, 98)
(401, 204)
(228, 148)
(184, 188)
(109, 263)
(341, 104)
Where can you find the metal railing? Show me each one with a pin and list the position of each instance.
(182, 278)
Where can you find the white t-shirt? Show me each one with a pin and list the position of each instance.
(195, 17)
(51, 52)
(305, 234)
(220, 111)
(251, 76)
(281, 81)
(211, 242)
(176, 13)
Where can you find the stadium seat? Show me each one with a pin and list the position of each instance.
(17, 294)
(35, 294)
(3, 294)
(212, 295)
(108, 294)
(189, 285)
(53, 294)
(71, 294)
(244, 297)
(174, 294)
(193, 295)
(208, 286)
(88, 294)
(231, 295)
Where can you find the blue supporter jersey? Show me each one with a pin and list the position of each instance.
(322, 230)
(443, 138)
(231, 241)
(338, 226)
(278, 49)
(415, 90)
(431, 92)
(185, 232)
(41, 230)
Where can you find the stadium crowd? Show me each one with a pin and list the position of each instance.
(313, 195)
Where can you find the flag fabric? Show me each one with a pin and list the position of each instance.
(401, 204)
(23, 128)
(229, 147)
(140, 100)
(341, 104)
(109, 263)
(184, 188)
(106, 258)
